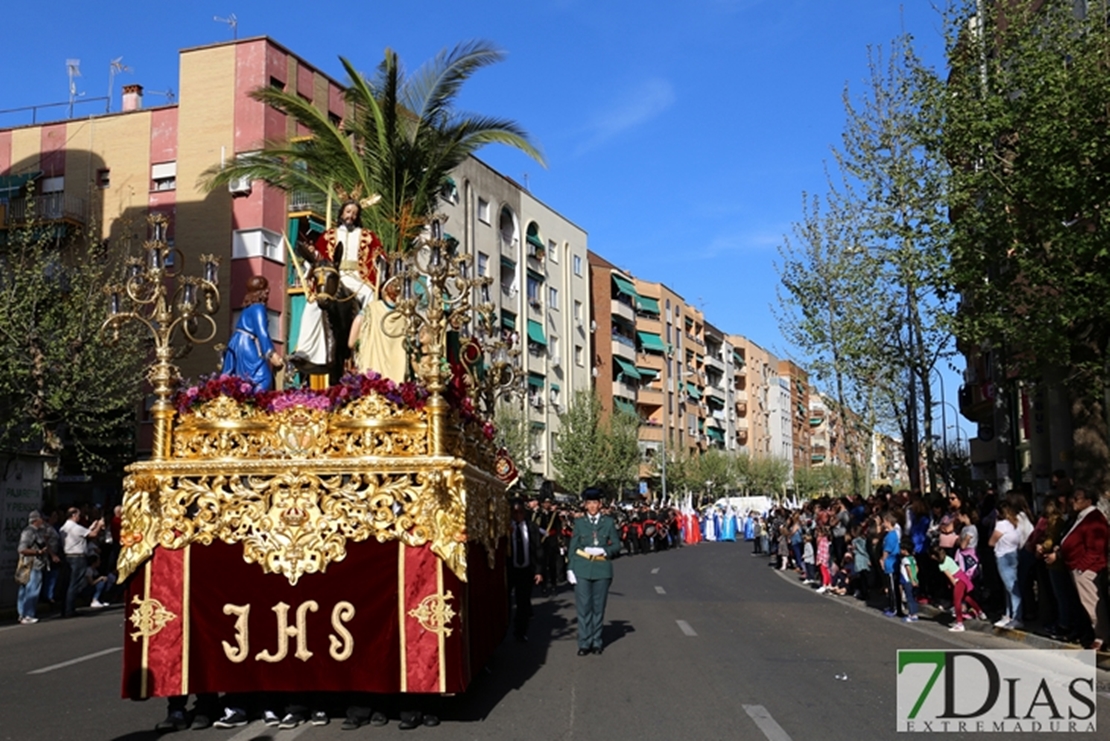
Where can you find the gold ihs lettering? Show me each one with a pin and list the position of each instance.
(286, 631)
(238, 653)
(344, 645)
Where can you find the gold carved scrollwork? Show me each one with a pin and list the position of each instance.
(149, 617)
(294, 487)
(434, 613)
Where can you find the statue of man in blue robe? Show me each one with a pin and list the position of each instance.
(250, 353)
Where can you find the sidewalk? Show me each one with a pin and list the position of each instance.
(942, 617)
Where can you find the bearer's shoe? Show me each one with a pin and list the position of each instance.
(291, 720)
(269, 717)
(232, 718)
(584, 652)
(175, 721)
(201, 722)
(410, 719)
(319, 718)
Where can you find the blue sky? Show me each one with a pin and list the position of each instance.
(680, 135)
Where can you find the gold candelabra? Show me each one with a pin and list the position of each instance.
(448, 283)
(156, 294)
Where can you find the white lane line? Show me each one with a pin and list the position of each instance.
(685, 627)
(772, 730)
(78, 660)
(655, 570)
(258, 729)
(660, 590)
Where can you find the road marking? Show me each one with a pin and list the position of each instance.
(772, 730)
(78, 660)
(258, 729)
(655, 570)
(685, 627)
(660, 590)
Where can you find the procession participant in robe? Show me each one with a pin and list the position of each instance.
(377, 339)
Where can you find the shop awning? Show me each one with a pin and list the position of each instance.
(624, 405)
(692, 390)
(536, 380)
(535, 333)
(651, 342)
(647, 372)
(647, 305)
(623, 286)
(628, 370)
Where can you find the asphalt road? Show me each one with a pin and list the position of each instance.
(703, 642)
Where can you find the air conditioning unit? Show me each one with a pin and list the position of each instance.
(556, 361)
(239, 186)
(536, 402)
(538, 455)
(593, 326)
(594, 372)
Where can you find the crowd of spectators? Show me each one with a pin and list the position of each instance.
(1029, 563)
(72, 553)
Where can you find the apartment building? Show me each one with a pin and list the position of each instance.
(798, 381)
(111, 171)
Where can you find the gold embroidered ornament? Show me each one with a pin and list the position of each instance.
(149, 617)
(434, 613)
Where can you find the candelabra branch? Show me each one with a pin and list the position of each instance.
(154, 294)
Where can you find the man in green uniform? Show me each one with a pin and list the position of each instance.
(593, 543)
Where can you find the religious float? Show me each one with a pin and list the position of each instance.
(341, 538)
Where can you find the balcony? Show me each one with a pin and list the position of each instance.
(46, 208)
(976, 402)
(626, 390)
(649, 324)
(649, 396)
(651, 433)
(712, 361)
(742, 424)
(624, 347)
(624, 311)
(302, 201)
(715, 392)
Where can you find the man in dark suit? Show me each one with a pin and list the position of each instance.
(525, 562)
(549, 523)
(593, 543)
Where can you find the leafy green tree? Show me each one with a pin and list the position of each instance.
(595, 450)
(620, 435)
(868, 279)
(767, 475)
(1026, 127)
(401, 140)
(65, 389)
(714, 474)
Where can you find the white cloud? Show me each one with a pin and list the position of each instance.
(636, 106)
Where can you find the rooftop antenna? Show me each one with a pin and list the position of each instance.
(116, 66)
(232, 21)
(168, 94)
(526, 181)
(73, 69)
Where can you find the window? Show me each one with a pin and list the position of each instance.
(164, 176)
(483, 210)
(579, 356)
(553, 347)
(483, 263)
(333, 119)
(277, 84)
(578, 312)
(533, 292)
(553, 297)
(103, 177)
(577, 265)
(552, 252)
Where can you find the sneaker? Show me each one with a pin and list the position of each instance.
(821, 590)
(291, 720)
(319, 718)
(982, 616)
(201, 722)
(909, 619)
(890, 613)
(957, 628)
(1002, 622)
(269, 717)
(232, 718)
(175, 721)
(28, 620)
(97, 604)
